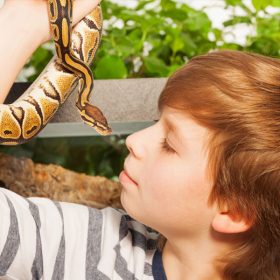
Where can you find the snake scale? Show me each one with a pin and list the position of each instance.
(67, 70)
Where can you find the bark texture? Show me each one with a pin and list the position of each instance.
(30, 179)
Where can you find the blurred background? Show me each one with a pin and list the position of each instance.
(151, 38)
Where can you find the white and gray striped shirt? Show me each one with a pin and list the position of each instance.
(45, 239)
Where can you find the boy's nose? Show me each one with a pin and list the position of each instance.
(134, 144)
(128, 143)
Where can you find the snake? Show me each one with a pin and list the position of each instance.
(75, 49)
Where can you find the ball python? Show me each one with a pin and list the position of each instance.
(68, 69)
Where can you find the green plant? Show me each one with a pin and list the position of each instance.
(267, 38)
(154, 39)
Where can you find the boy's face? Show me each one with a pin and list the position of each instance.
(172, 189)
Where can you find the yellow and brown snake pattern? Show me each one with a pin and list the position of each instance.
(75, 49)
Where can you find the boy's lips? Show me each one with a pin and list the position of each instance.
(125, 177)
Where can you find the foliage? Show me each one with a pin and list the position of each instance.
(267, 38)
(156, 37)
(151, 40)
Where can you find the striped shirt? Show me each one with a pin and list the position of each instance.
(46, 239)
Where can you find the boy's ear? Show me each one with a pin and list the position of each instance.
(225, 222)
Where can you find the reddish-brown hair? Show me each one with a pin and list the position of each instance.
(237, 96)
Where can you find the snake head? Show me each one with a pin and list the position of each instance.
(93, 116)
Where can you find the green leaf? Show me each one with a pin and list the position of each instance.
(110, 67)
(167, 5)
(40, 55)
(268, 26)
(178, 44)
(175, 14)
(233, 2)
(155, 65)
(142, 3)
(197, 22)
(261, 4)
(232, 46)
(39, 60)
(218, 33)
(237, 20)
(173, 68)
(275, 3)
(189, 44)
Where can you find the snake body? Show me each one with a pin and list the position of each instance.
(75, 50)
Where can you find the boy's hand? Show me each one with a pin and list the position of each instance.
(32, 15)
(81, 8)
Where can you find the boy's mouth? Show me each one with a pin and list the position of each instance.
(124, 177)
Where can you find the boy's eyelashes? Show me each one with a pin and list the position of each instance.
(164, 145)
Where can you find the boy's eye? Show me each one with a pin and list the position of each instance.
(165, 147)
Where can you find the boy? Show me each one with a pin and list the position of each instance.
(205, 176)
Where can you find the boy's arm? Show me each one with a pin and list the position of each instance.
(40, 237)
(45, 239)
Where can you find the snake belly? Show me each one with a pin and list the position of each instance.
(28, 115)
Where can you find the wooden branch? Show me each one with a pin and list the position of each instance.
(30, 179)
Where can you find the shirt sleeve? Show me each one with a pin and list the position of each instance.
(45, 239)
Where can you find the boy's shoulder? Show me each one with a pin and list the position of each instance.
(123, 237)
(127, 225)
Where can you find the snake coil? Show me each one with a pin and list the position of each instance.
(75, 50)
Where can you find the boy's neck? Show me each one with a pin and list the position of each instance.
(195, 259)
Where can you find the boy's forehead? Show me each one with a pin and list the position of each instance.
(182, 125)
(174, 122)
(173, 117)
